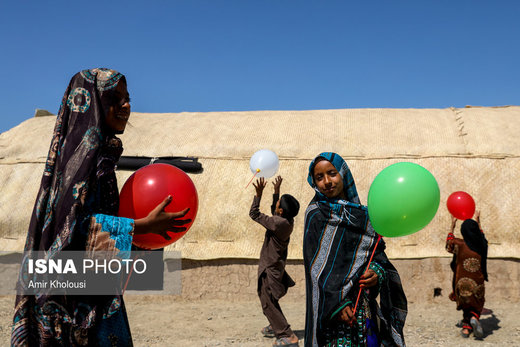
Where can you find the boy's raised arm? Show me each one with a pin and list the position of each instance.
(276, 195)
(259, 217)
(254, 212)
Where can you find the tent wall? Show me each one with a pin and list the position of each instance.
(476, 150)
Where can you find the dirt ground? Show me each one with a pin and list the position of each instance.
(171, 321)
(218, 306)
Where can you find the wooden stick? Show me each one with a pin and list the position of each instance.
(129, 275)
(252, 178)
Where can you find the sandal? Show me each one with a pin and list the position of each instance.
(284, 341)
(465, 328)
(478, 332)
(268, 331)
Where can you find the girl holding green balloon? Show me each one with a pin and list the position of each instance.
(338, 242)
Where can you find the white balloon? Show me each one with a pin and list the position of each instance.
(265, 162)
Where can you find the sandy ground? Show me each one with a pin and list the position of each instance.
(169, 321)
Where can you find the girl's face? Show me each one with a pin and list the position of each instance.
(328, 180)
(119, 111)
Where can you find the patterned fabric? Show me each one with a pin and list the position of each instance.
(338, 240)
(468, 278)
(78, 186)
(111, 233)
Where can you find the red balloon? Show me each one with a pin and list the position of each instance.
(147, 188)
(461, 205)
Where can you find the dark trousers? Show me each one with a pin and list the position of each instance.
(467, 313)
(272, 310)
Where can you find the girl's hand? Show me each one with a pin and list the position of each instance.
(477, 217)
(368, 279)
(453, 223)
(159, 221)
(346, 315)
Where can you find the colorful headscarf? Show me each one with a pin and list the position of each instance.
(338, 240)
(79, 141)
(78, 181)
(349, 187)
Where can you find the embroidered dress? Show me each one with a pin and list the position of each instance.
(338, 240)
(74, 211)
(469, 267)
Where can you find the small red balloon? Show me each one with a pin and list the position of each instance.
(461, 205)
(147, 188)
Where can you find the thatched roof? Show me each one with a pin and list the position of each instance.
(475, 149)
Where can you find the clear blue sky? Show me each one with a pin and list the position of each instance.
(254, 55)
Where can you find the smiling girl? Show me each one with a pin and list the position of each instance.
(338, 240)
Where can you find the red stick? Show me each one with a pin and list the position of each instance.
(129, 275)
(252, 178)
(359, 293)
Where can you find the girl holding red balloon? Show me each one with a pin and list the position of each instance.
(469, 266)
(76, 210)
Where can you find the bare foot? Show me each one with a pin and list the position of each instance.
(293, 338)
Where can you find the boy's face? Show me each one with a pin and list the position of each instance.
(278, 210)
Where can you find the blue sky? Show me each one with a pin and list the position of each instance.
(256, 55)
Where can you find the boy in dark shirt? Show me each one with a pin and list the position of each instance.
(273, 281)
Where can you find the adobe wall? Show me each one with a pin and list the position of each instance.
(236, 279)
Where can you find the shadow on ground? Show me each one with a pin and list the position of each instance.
(489, 324)
(299, 333)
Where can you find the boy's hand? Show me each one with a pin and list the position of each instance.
(259, 186)
(277, 183)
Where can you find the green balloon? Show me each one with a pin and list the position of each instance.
(403, 199)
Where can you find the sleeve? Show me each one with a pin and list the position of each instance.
(450, 242)
(382, 267)
(381, 278)
(344, 304)
(275, 200)
(110, 234)
(255, 214)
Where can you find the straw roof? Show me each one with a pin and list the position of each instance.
(474, 149)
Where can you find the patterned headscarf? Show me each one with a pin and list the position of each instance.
(338, 240)
(349, 187)
(78, 181)
(79, 142)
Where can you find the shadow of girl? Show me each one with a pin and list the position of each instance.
(489, 324)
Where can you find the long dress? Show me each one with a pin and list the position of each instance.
(468, 279)
(75, 211)
(338, 241)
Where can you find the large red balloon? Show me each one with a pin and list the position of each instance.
(147, 188)
(461, 205)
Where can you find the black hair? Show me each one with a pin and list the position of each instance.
(290, 206)
(316, 161)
